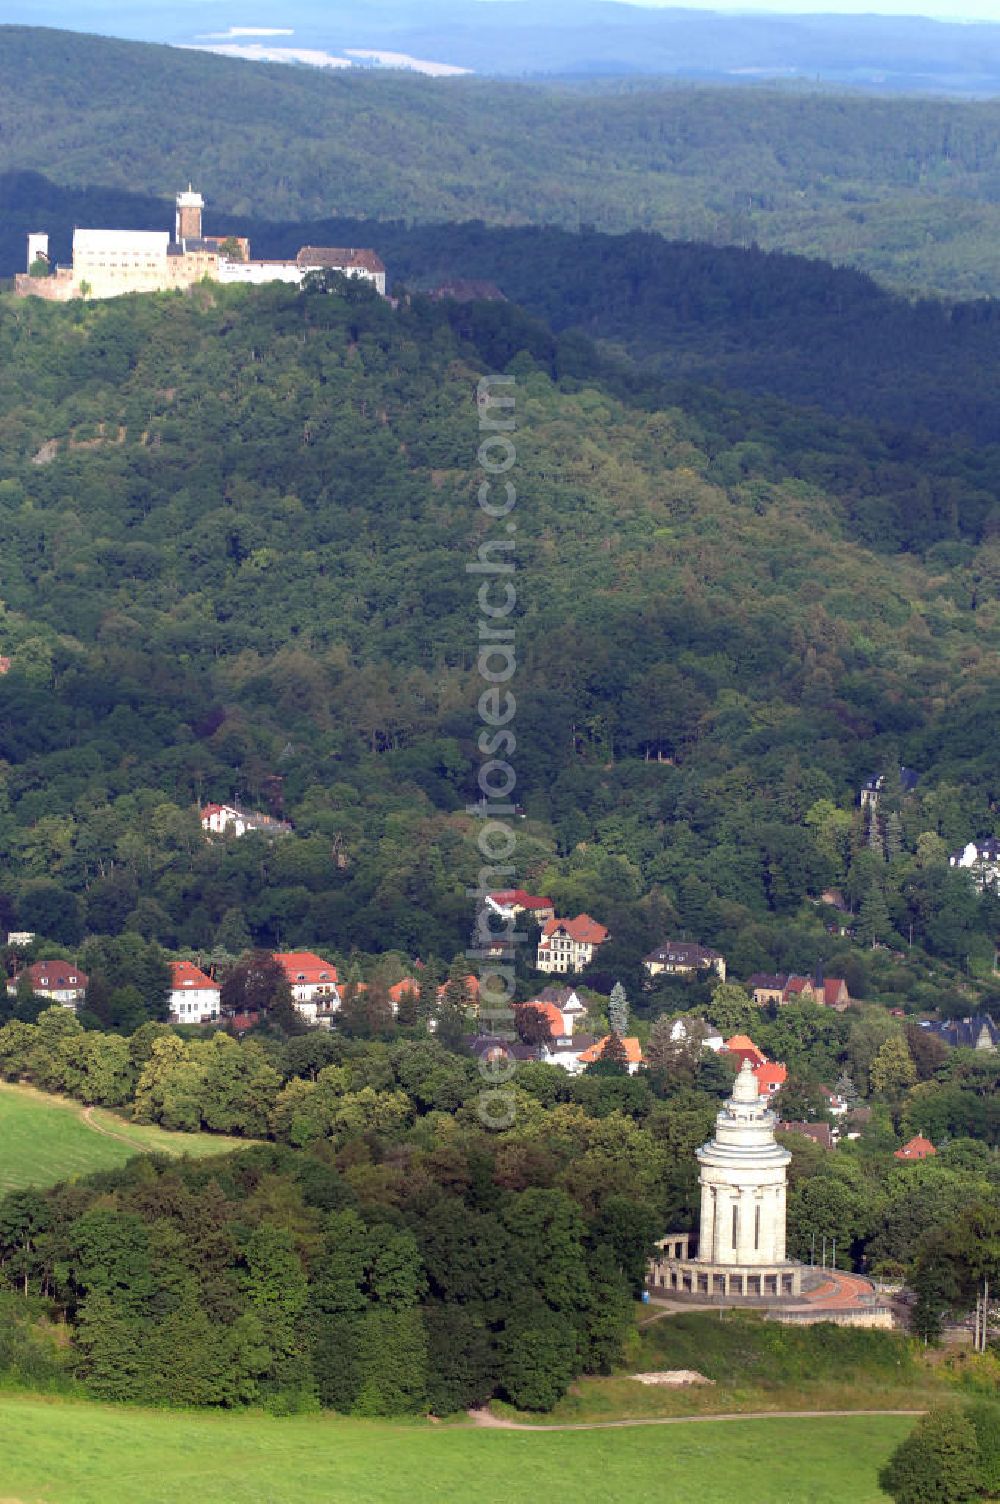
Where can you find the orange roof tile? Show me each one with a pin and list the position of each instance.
(918, 1148)
(303, 966)
(633, 1050)
(583, 929)
(184, 974)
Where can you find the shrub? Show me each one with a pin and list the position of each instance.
(938, 1463)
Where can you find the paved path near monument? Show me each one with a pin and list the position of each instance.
(498, 1422)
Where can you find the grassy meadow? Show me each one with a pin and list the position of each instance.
(45, 1139)
(60, 1452)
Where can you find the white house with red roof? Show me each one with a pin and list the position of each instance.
(562, 1006)
(194, 997)
(569, 944)
(313, 982)
(62, 981)
(771, 1076)
(511, 903)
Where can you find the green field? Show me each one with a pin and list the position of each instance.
(57, 1452)
(44, 1139)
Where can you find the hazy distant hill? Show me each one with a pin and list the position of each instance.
(908, 190)
(585, 37)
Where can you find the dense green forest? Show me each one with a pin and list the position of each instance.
(233, 536)
(906, 189)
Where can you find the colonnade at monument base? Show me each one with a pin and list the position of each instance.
(676, 1271)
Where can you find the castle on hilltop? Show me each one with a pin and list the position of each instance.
(110, 263)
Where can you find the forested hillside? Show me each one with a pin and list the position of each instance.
(758, 322)
(233, 536)
(906, 189)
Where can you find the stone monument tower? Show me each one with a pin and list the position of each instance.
(743, 1183)
(741, 1242)
(187, 224)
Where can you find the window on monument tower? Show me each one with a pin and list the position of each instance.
(756, 1228)
(736, 1218)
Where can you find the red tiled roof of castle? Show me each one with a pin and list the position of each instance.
(335, 256)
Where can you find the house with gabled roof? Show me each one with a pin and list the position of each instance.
(981, 859)
(569, 944)
(511, 903)
(742, 1047)
(313, 981)
(565, 1003)
(631, 1045)
(682, 957)
(917, 1148)
(61, 981)
(194, 997)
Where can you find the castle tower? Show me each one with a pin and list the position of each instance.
(742, 1181)
(38, 248)
(187, 225)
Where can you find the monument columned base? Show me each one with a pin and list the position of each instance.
(676, 1272)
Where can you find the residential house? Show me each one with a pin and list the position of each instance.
(194, 997)
(511, 903)
(771, 1076)
(471, 988)
(567, 1004)
(633, 1053)
(569, 944)
(799, 990)
(832, 992)
(978, 1032)
(836, 1105)
(234, 819)
(567, 1051)
(61, 981)
(682, 957)
(917, 1148)
(313, 982)
(488, 1047)
(683, 1029)
(766, 987)
(20, 939)
(742, 1048)
(872, 789)
(820, 1133)
(552, 1015)
(982, 860)
(829, 992)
